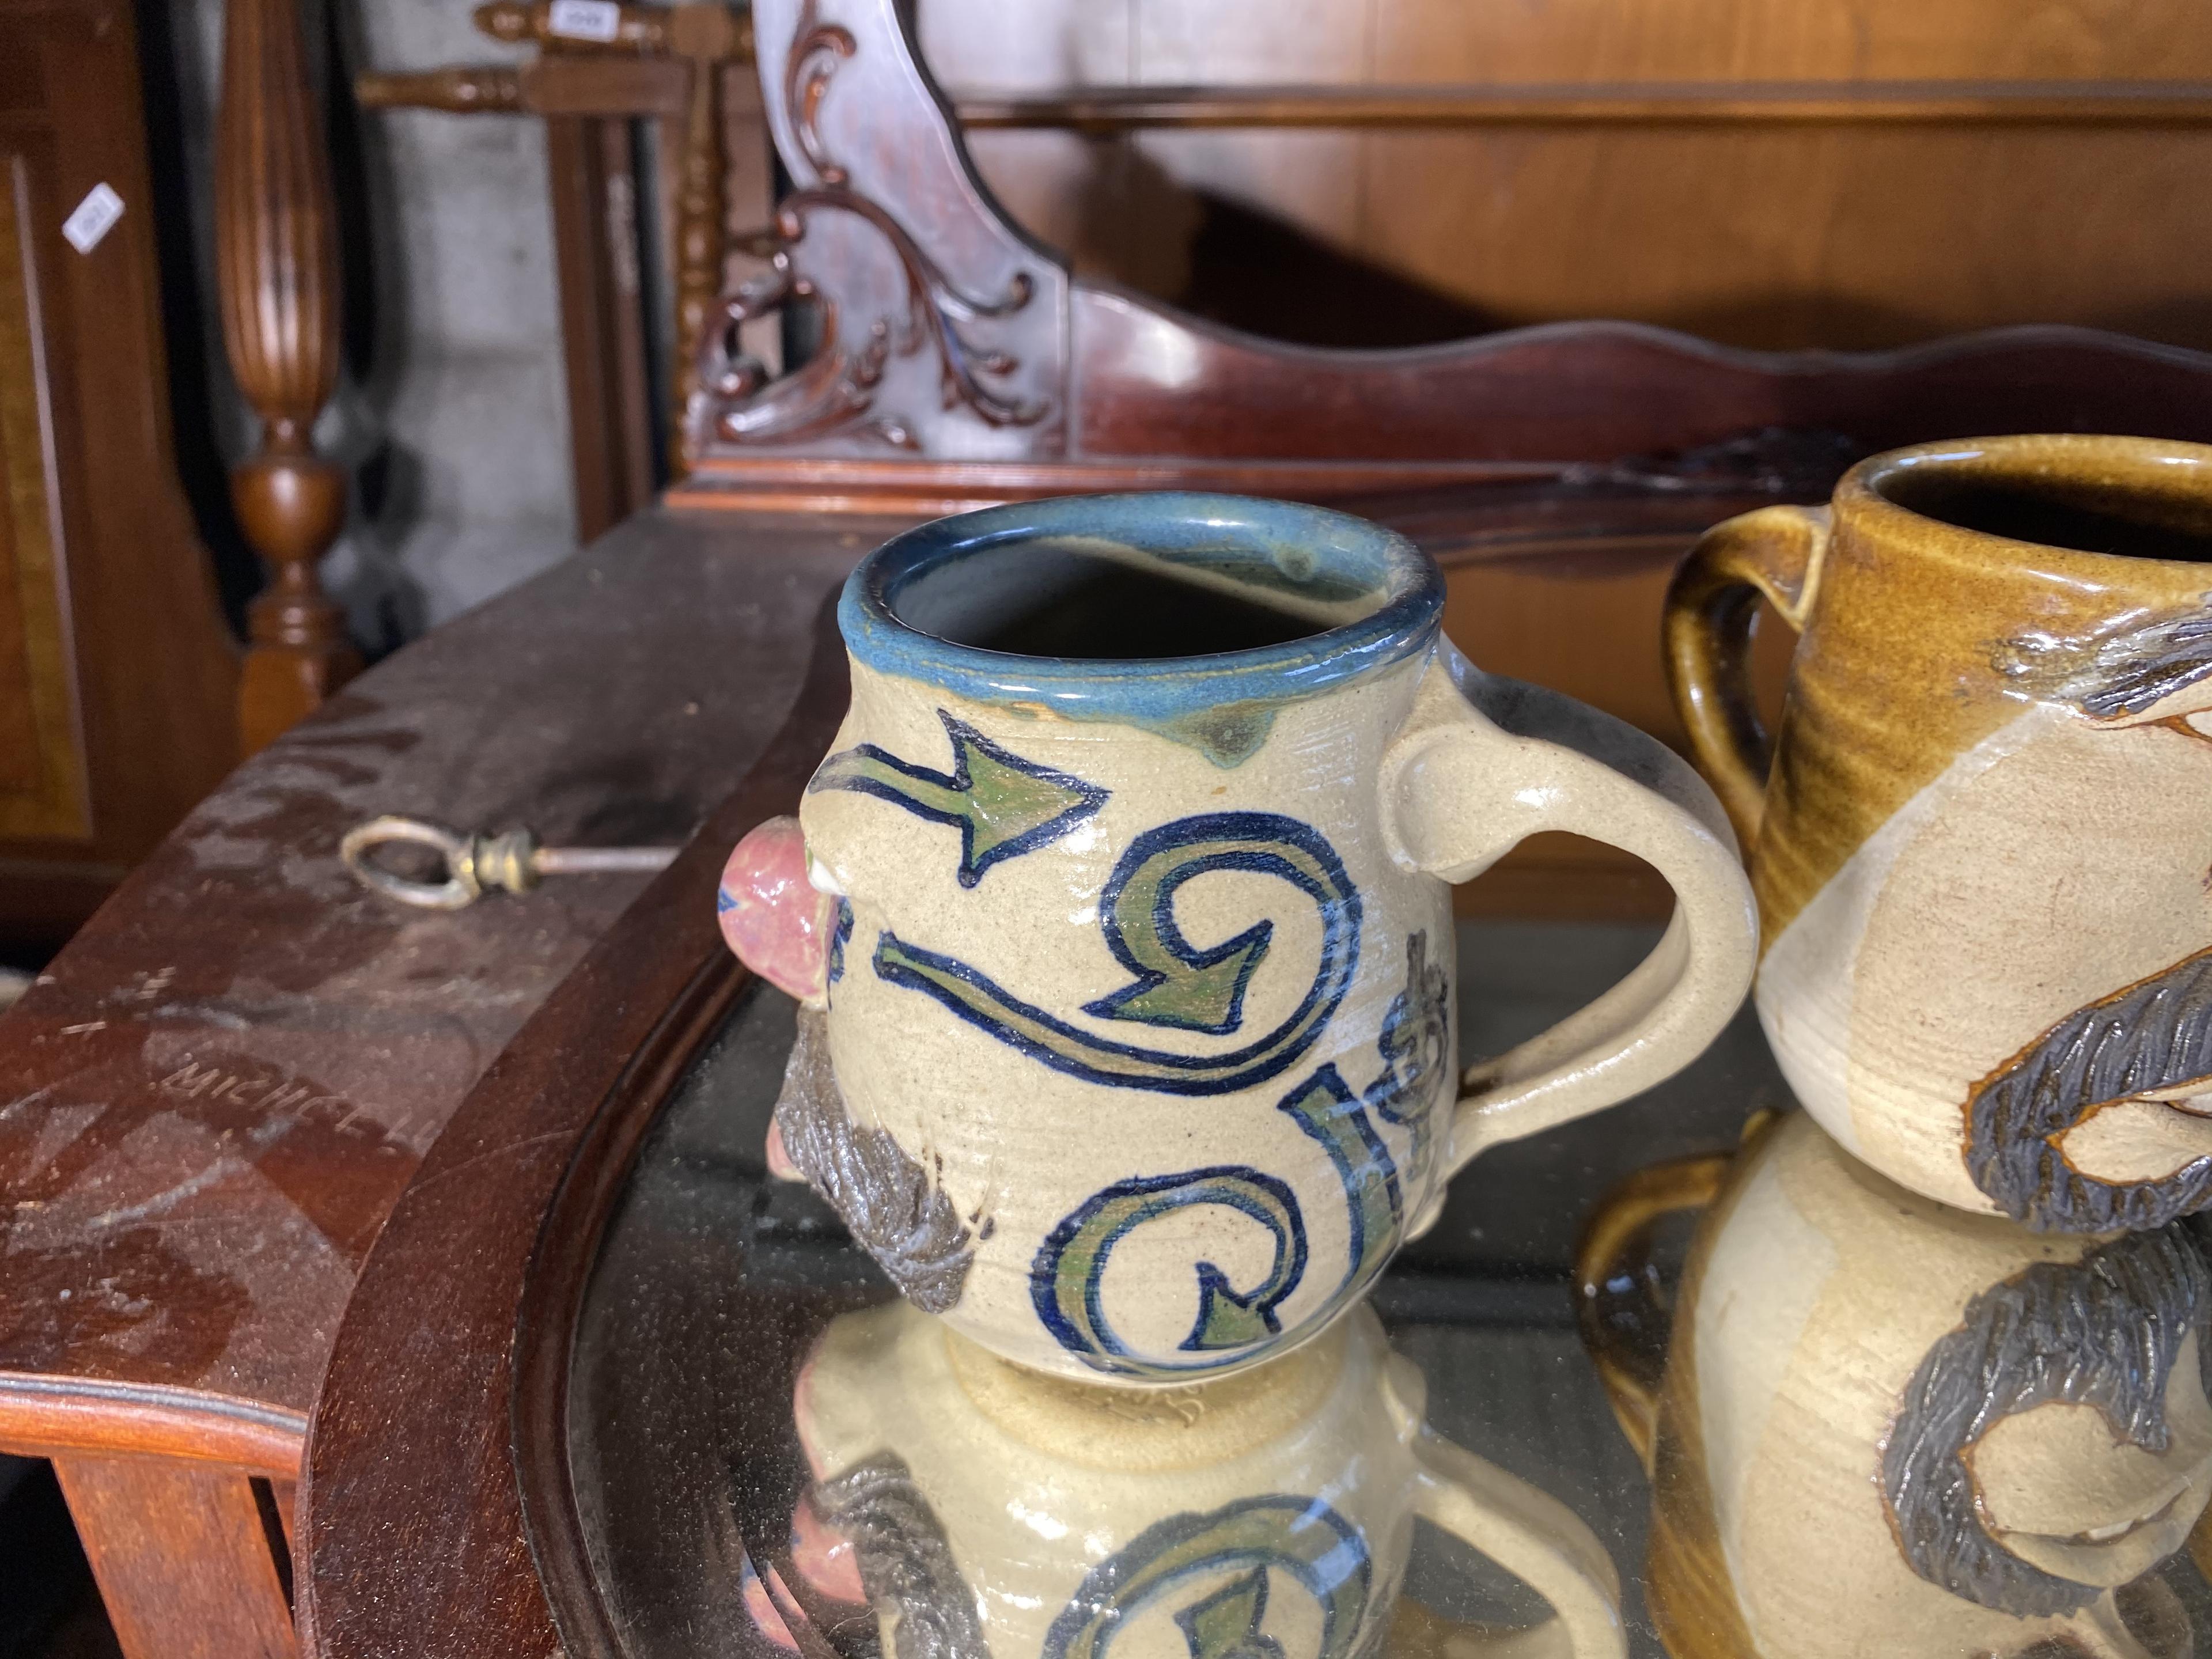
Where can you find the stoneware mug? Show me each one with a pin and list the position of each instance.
(1981, 852)
(984, 1509)
(1882, 1425)
(1123, 923)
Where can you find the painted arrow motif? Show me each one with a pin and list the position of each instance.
(1067, 1282)
(1196, 987)
(1067, 1279)
(1300, 1537)
(1326, 1109)
(1226, 1623)
(1003, 806)
(1177, 984)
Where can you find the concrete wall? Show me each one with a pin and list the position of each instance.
(452, 416)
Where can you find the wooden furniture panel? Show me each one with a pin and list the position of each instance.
(1857, 238)
(1783, 40)
(960, 362)
(219, 1086)
(592, 173)
(1571, 618)
(1866, 228)
(1218, 42)
(1554, 402)
(42, 773)
(140, 1519)
(132, 672)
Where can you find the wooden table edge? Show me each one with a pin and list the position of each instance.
(42, 1416)
(584, 1074)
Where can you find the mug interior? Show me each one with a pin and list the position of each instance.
(1143, 578)
(1055, 598)
(2136, 500)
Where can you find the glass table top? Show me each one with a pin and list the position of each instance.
(1801, 1412)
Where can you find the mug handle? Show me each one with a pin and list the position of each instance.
(1625, 1328)
(1483, 761)
(1537, 1539)
(1775, 552)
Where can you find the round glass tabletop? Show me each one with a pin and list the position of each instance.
(1719, 1377)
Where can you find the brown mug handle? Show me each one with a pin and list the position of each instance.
(1624, 1327)
(1774, 553)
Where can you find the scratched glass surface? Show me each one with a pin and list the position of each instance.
(1880, 1429)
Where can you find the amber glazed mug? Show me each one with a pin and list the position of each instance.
(1132, 1054)
(1879, 1425)
(1981, 851)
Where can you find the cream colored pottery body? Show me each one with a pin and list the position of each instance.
(1051, 1520)
(1139, 1053)
(1888, 1427)
(1981, 858)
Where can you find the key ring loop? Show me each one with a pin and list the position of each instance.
(473, 863)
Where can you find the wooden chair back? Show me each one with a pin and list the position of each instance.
(960, 359)
(1558, 469)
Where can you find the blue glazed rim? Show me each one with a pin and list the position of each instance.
(1234, 534)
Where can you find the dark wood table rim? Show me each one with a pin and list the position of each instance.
(464, 1313)
(98, 1415)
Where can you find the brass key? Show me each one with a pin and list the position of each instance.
(477, 864)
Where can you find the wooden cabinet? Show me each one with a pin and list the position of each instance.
(1832, 175)
(118, 675)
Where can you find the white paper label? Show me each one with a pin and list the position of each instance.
(93, 218)
(586, 20)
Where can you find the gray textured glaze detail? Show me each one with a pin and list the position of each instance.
(2103, 1331)
(1415, 1042)
(2119, 675)
(906, 1562)
(896, 1212)
(2155, 1034)
(2147, 665)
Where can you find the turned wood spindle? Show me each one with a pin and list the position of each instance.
(461, 90)
(640, 28)
(276, 248)
(708, 37)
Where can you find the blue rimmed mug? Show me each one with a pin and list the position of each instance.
(1130, 1051)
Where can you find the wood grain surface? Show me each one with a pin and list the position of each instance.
(957, 358)
(138, 1518)
(1756, 172)
(42, 759)
(276, 256)
(220, 1088)
(426, 1554)
(119, 669)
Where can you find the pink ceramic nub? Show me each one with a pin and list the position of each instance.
(778, 924)
(779, 1160)
(760, 1607)
(825, 1558)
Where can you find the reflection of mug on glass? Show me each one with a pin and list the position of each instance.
(992, 1510)
(1884, 1426)
(1981, 857)
(1134, 928)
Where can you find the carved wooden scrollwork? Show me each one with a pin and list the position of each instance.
(814, 58)
(941, 332)
(830, 392)
(835, 388)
